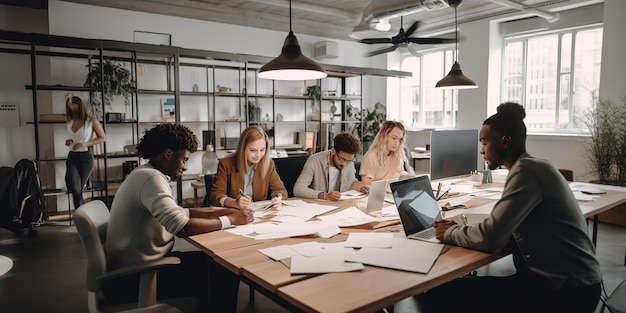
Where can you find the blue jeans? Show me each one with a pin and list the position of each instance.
(79, 166)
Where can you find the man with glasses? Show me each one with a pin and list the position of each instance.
(328, 173)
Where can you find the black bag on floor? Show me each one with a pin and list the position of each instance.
(29, 197)
(8, 197)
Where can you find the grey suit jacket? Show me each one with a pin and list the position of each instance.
(314, 176)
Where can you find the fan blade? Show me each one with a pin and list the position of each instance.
(375, 40)
(426, 41)
(412, 29)
(384, 50)
(412, 51)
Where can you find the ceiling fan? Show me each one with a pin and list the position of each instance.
(403, 39)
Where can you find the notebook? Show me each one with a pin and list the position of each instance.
(376, 196)
(417, 207)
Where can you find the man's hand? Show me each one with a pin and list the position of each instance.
(333, 195)
(441, 226)
(240, 217)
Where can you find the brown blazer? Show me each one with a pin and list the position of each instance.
(228, 181)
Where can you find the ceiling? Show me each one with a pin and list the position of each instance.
(329, 18)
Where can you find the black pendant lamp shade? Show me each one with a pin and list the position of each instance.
(291, 64)
(455, 78)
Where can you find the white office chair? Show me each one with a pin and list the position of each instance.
(91, 221)
(616, 302)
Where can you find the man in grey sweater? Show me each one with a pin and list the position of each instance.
(538, 220)
(328, 173)
(145, 218)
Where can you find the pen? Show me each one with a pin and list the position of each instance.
(443, 194)
(243, 194)
(438, 190)
(465, 219)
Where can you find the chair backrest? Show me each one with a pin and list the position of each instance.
(91, 221)
(289, 169)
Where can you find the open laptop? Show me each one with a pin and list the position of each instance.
(376, 196)
(417, 207)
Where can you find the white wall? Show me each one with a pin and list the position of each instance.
(17, 142)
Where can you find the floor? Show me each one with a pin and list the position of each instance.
(49, 272)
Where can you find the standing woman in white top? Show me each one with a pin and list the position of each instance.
(80, 131)
(386, 158)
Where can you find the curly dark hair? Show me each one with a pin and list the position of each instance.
(347, 143)
(166, 136)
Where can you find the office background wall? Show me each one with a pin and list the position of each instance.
(479, 56)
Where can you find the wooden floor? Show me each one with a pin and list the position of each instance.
(49, 272)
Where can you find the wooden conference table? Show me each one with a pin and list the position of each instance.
(368, 290)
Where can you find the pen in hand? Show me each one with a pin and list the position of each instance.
(243, 194)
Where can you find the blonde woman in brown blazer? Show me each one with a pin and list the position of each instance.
(247, 175)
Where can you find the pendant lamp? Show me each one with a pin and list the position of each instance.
(455, 78)
(291, 64)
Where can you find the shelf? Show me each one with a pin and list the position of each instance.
(127, 121)
(342, 98)
(228, 94)
(114, 155)
(155, 92)
(58, 88)
(195, 93)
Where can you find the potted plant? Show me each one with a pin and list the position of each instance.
(315, 95)
(606, 149)
(370, 120)
(113, 80)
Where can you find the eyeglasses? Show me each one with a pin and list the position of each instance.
(342, 160)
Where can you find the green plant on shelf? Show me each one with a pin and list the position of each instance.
(370, 120)
(112, 79)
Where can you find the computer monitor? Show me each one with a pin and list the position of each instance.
(453, 152)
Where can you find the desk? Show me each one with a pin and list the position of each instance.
(368, 290)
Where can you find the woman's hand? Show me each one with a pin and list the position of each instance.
(68, 142)
(78, 146)
(243, 202)
(277, 201)
(365, 189)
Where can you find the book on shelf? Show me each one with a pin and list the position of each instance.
(306, 140)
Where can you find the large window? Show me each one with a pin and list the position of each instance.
(421, 105)
(555, 76)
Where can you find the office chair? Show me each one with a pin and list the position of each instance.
(616, 302)
(208, 183)
(91, 222)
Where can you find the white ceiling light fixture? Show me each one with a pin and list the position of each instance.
(291, 64)
(455, 78)
(383, 25)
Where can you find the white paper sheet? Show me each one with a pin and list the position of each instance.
(322, 264)
(406, 254)
(369, 240)
(351, 195)
(279, 252)
(348, 217)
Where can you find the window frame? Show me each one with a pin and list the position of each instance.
(568, 72)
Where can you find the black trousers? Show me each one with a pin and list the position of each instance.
(514, 293)
(196, 276)
(79, 166)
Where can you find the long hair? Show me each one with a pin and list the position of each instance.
(80, 114)
(250, 134)
(380, 143)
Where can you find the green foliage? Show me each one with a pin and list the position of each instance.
(606, 149)
(371, 120)
(117, 81)
(315, 94)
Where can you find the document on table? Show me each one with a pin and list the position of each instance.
(301, 213)
(326, 263)
(369, 240)
(348, 217)
(351, 195)
(406, 254)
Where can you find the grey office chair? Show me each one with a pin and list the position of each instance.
(91, 221)
(616, 302)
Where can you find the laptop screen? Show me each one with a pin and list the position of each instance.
(416, 204)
